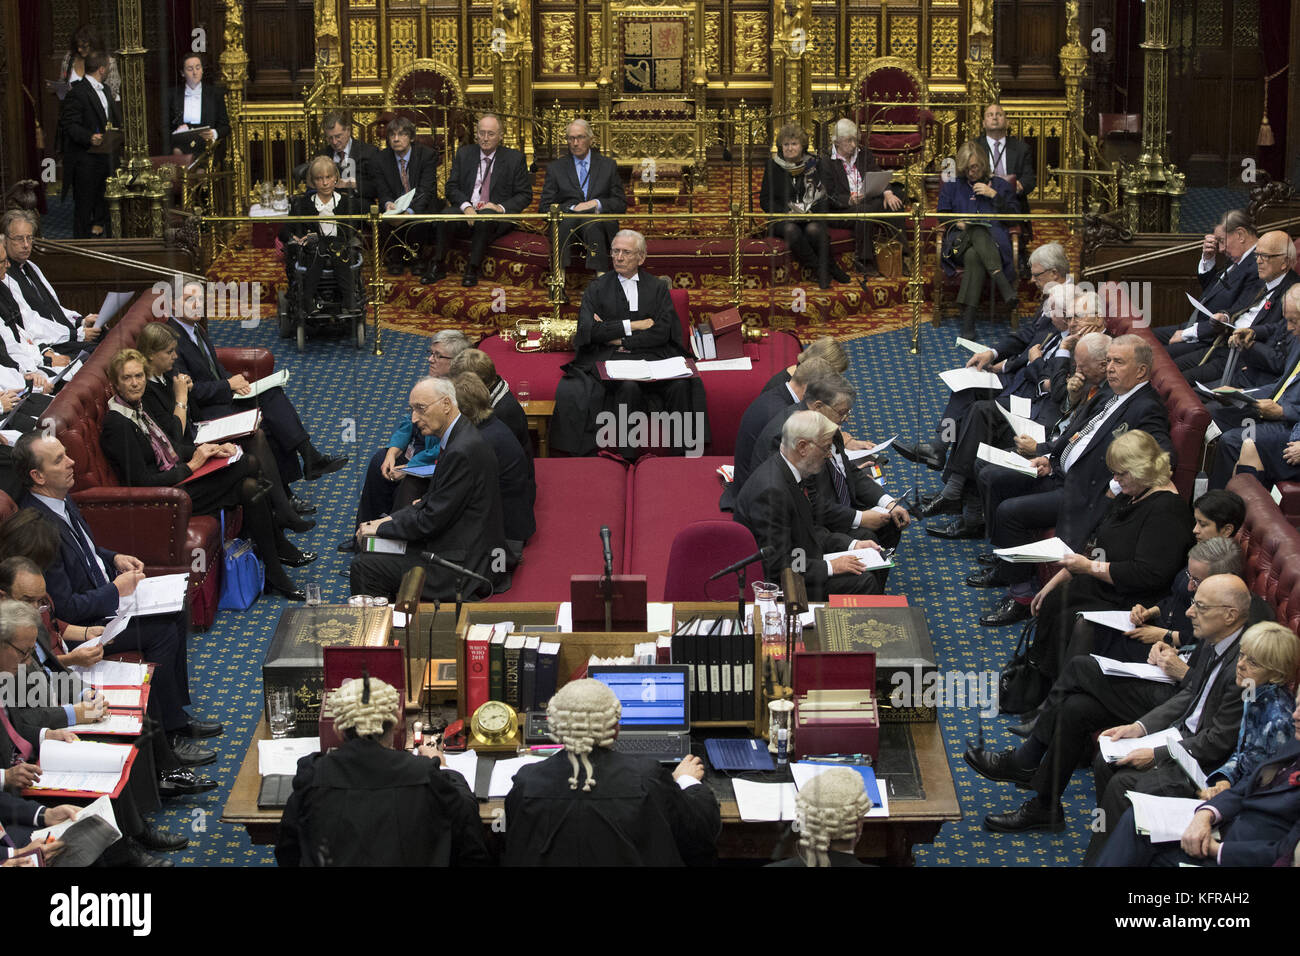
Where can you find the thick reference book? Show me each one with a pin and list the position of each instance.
(900, 639)
(295, 660)
(478, 685)
(728, 338)
(514, 648)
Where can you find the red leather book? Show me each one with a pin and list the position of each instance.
(727, 337)
(476, 668)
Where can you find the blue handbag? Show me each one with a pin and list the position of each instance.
(243, 577)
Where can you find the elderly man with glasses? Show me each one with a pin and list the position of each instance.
(584, 182)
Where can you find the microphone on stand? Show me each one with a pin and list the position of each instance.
(607, 550)
(430, 558)
(762, 554)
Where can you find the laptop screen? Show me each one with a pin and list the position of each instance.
(652, 697)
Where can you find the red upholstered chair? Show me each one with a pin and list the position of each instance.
(894, 121)
(1272, 550)
(154, 524)
(702, 548)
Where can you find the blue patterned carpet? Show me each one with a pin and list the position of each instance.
(349, 398)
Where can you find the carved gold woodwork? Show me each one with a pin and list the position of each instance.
(444, 38)
(903, 32)
(559, 43)
(945, 44)
(403, 42)
(713, 42)
(823, 39)
(364, 47)
(480, 29)
(864, 41)
(749, 32)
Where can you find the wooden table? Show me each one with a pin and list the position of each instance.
(889, 840)
(539, 420)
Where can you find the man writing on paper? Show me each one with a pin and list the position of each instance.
(459, 518)
(1205, 706)
(782, 506)
(626, 314)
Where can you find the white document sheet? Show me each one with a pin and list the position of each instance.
(112, 674)
(763, 802)
(641, 370)
(1163, 819)
(112, 724)
(227, 426)
(860, 453)
(1115, 620)
(1112, 750)
(973, 346)
(1036, 552)
(111, 630)
(742, 364)
(401, 204)
(960, 379)
(281, 756)
(503, 773)
(113, 301)
(1007, 459)
(1189, 764)
(1023, 426)
(102, 808)
(465, 764)
(1020, 406)
(274, 380)
(160, 594)
(1113, 668)
(868, 556)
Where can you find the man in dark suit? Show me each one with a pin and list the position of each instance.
(88, 111)
(82, 590)
(356, 160)
(1258, 821)
(1070, 487)
(769, 403)
(584, 182)
(194, 104)
(1243, 349)
(404, 166)
(626, 314)
(842, 178)
(46, 320)
(459, 517)
(1205, 706)
(1013, 160)
(214, 390)
(780, 504)
(1275, 410)
(515, 475)
(1229, 289)
(487, 180)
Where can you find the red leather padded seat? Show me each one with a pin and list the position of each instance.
(664, 496)
(575, 496)
(1272, 548)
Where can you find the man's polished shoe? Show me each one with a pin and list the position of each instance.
(999, 767)
(940, 506)
(302, 506)
(987, 578)
(1008, 611)
(190, 753)
(955, 530)
(932, 496)
(324, 465)
(1030, 815)
(348, 545)
(436, 274)
(470, 278)
(988, 559)
(924, 453)
(182, 782)
(838, 274)
(201, 728)
(292, 593)
(151, 838)
(1025, 728)
(128, 852)
(304, 558)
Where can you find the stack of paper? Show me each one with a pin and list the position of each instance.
(81, 765)
(1037, 552)
(1112, 750)
(119, 724)
(742, 364)
(1188, 764)
(1163, 819)
(108, 673)
(643, 370)
(161, 594)
(1113, 668)
(228, 426)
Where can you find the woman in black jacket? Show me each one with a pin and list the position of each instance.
(324, 243)
(791, 183)
(143, 455)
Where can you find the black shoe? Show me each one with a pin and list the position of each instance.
(940, 506)
(152, 838)
(823, 280)
(299, 524)
(302, 505)
(128, 852)
(189, 753)
(926, 499)
(436, 274)
(957, 529)
(1008, 611)
(988, 559)
(1026, 728)
(324, 465)
(470, 278)
(924, 453)
(303, 559)
(998, 767)
(1030, 815)
(202, 728)
(289, 592)
(348, 545)
(838, 274)
(182, 782)
(987, 578)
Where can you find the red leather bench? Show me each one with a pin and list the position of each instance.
(154, 524)
(728, 394)
(1272, 548)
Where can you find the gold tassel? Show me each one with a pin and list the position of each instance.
(1265, 137)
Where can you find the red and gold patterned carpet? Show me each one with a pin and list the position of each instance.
(694, 253)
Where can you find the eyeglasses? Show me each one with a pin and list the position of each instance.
(1040, 272)
(439, 355)
(1193, 582)
(23, 655)
(1202, 606)
(577, 139)
(418, 409)
(623, 253)
(1269, 255)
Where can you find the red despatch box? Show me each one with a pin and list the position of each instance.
(382, 663)
(835, 671)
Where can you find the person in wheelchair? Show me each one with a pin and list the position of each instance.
(311, 248)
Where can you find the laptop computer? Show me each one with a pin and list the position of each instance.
(656, 720)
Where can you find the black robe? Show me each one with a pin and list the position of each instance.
(581, 395)
(366, 805)
(635, 815)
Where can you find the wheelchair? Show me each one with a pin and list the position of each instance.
(327, 316)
